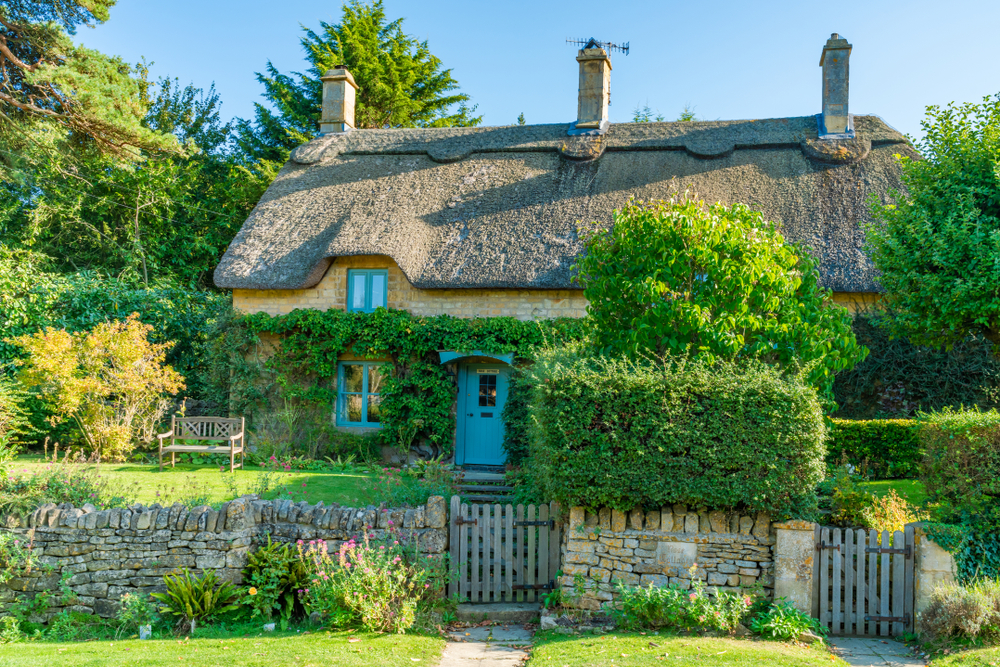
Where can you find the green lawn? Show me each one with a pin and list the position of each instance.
(977, 657)
(910, 489)
(635, 650)
(272, 650)
(187, 482)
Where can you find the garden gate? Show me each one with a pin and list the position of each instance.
(503, 553)
(863, 581)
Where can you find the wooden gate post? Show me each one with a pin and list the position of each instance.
(794, 561)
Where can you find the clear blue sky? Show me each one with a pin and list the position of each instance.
(729, 60)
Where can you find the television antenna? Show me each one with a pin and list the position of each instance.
(594, 44)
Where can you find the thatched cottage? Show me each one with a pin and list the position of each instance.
(483, 222)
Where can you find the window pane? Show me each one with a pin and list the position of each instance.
(373, 409)
(487, 391)
(374, 379)
(378, 290)
(358, 291)
(351, 408)
(353, 376)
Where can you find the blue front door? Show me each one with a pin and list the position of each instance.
(482, 392)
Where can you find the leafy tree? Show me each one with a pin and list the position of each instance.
(938, 245)
(401, 84)
(110, 381)
(718, 282)
(45, 78)
(645, 114)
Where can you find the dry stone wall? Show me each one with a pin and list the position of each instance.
(671, 546)
(108, 553)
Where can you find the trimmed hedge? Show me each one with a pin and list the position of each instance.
(881, 448)
(623, 434)
(962, 457)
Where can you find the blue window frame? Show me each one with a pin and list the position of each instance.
(367, 289)
(359, 385)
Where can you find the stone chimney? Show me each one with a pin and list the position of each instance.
(595, 89)
(836, 74)
(339, 92)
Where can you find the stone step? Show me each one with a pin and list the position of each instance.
(476, 476)
(499, 612)
(491, 499)
(495, 488)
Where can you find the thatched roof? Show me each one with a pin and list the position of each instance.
(500, 206)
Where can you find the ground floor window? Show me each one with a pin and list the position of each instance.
(358, 387)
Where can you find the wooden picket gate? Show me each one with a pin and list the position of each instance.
(863, 581)
(503, 553)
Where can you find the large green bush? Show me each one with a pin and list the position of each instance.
(880, 448)
(683, 278)
(962, 457)
(625, 434)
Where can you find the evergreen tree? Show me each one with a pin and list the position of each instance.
(47, 82)
(401, 84)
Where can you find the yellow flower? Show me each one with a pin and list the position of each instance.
(252, 591)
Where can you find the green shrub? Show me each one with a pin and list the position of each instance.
(193, 599)
(624, 434)
(58, 483)
(10, 630)
(878, 448)
(412, 487)
(783, 621)
(136, 611)
(961, 464)
(17, 556)
(673, 607)
(515, 418)
(377, 586)
(971, 611)
(274, 574)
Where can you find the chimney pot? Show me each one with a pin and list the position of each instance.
(595, 89)
(339, 94)
(836, 118)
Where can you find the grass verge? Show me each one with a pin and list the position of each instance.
(646, 650)
(273, 650)
(205, 484)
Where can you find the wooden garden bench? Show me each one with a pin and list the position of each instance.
(211, 429)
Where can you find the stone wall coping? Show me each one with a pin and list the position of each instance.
(697, 538)
(796, 524)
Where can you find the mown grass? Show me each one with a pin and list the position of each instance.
(204, 482)
(646, 650)
(271, 650)
(910, 489)
(976, 657)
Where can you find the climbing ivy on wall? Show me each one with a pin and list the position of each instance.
(418, 395)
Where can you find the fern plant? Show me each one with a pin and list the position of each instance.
(195, 599)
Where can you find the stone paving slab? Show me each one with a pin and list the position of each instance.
(488, 646)
(496, 634)
(870, 652)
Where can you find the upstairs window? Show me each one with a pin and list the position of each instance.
(367, 289)
(359, 384)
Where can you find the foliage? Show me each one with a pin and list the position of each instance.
(304, 367)
(643, 114)
(136, 610)
(515, 417)
(17, 557)
(375, 585)
(274, 573)
(10, 630)
(110, 381)
(401, 84)
(404, 488)
(891, 513)
(849, 502)
(970, 611)
(877, 448)
(612, 432)
(937, 246)
(48, 81)
(195, 598)
(898, 379)
(962, 457)
(784, 621)
(680, 277)
(58, 483)
(673, 607)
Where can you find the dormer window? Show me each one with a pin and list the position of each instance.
(367, 289)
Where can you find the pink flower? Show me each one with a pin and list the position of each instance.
(427, 585)
(693, 596)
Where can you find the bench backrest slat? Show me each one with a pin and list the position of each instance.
(206, 428)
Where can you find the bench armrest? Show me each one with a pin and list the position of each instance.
(236, 436)
(165, 435)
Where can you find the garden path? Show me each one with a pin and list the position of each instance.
(501, 645)
(868, 652)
